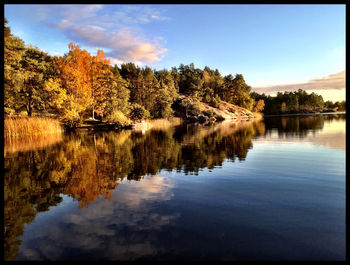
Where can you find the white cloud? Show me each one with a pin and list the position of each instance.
(117, 32)
(330, 82)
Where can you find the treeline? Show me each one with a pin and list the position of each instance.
(78, 85)
(297, 102)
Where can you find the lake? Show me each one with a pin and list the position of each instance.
(266, 190)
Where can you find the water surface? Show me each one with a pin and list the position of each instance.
(268, 190)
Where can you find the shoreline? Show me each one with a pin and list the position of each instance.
(145, 125)
(301, 114)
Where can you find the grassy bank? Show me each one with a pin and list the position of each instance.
(31, 126)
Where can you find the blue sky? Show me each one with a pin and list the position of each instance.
(275, 47)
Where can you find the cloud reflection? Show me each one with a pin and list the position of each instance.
(123, 227)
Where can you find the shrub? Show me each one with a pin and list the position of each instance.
(138, 112)
(117, 116)
(215, 102)
(9, 111)
(210, 113)
(192, 106)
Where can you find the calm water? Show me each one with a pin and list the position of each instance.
(269, 190)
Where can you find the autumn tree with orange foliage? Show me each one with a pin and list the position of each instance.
(75, 75)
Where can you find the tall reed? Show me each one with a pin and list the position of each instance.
(258, 116)
(31, 126)
(163, 124)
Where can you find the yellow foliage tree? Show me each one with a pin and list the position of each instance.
(56, 93)
(75, 75)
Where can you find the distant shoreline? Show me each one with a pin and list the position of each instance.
(311, 113)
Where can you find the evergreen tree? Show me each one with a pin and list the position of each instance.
(13, 77)
(150, 88)
(165, 95)
(176, 77)
(191, 80)
(101, 78)
(117, 95)
(35, 66)
(133, 76)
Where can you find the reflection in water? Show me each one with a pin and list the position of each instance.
(127, 211)
(296, 126)
(324, 130)
(85, 166)
(21, 144)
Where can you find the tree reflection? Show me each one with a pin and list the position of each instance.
(86, 166)
(298, 126)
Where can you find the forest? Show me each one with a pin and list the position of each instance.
(297, 102)
(79, 86)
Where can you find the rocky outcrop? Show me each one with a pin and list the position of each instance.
(195, 111)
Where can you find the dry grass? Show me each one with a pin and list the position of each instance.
(258, 116)
(31, 127)
(163, 124)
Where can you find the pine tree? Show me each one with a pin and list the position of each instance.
(13, 79)
(34, 71)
